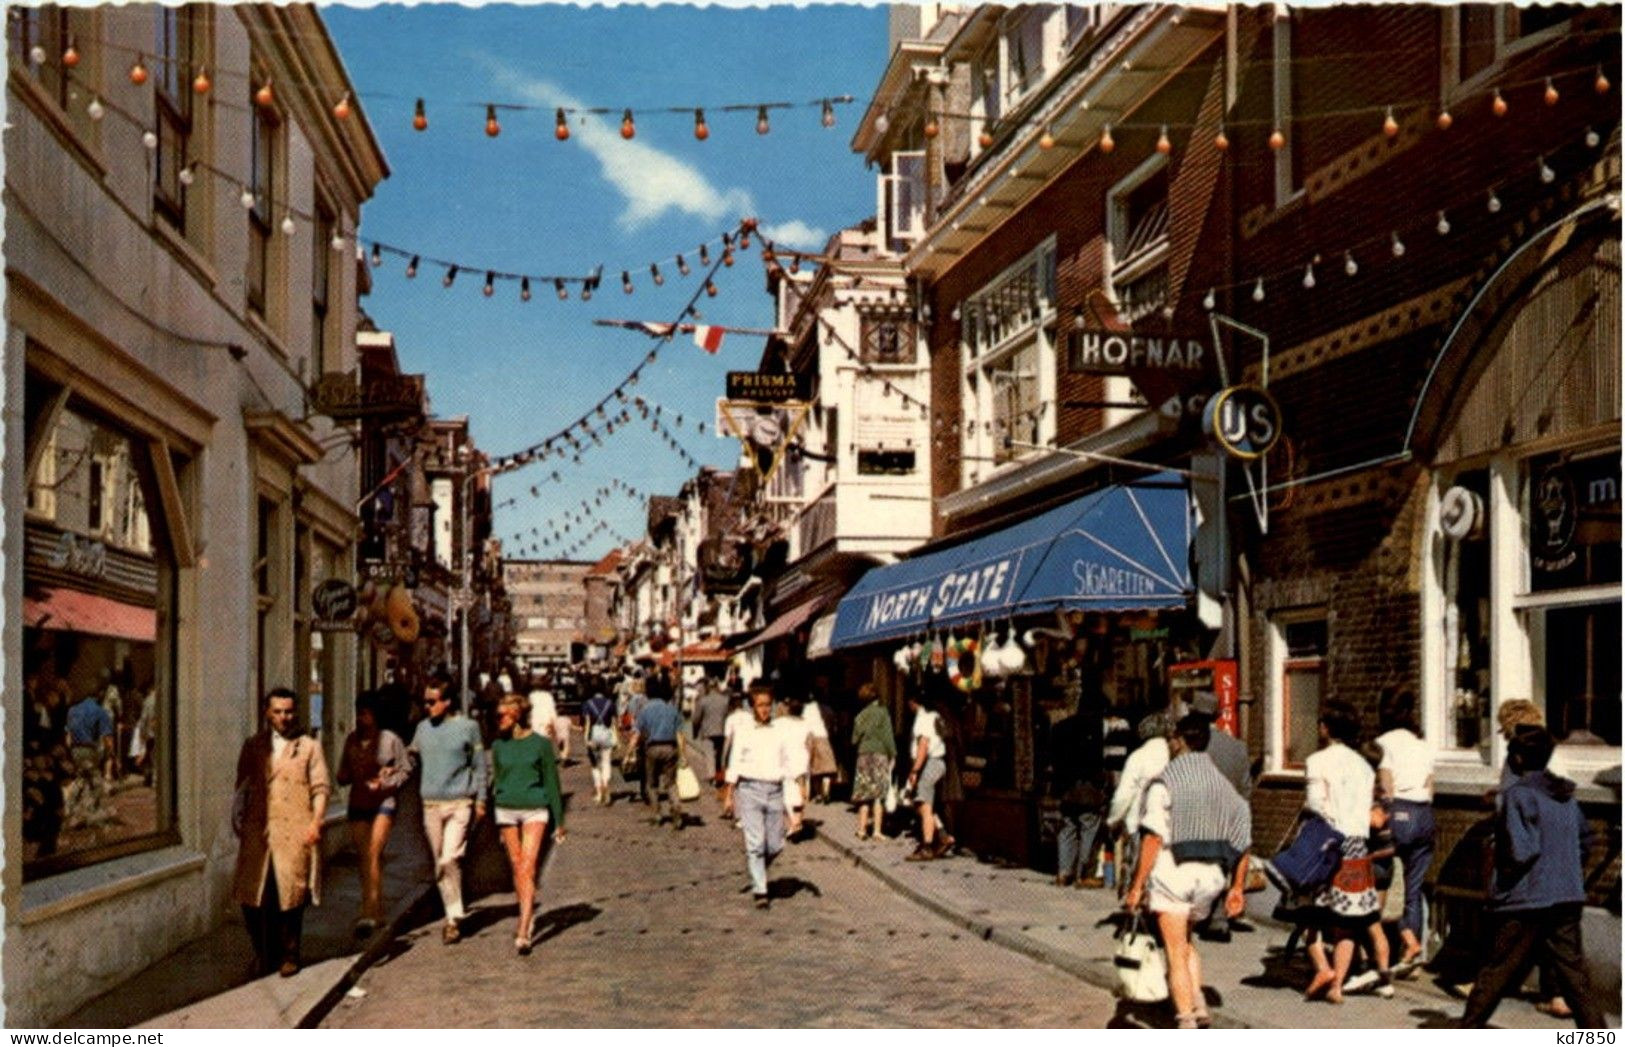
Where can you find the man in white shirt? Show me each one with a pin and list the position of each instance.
(1142, 765)
(930, 764)
(760, 789)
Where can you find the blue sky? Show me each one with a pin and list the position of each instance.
(524, 202)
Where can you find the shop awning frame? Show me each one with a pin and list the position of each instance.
(1122, 548)
(71, 610)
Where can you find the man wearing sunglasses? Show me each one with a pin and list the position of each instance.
(451, 754)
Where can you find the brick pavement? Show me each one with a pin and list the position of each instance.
(646, 927)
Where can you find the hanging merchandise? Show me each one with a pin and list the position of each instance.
(965, 664)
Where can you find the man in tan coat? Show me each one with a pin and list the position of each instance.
(281, 798)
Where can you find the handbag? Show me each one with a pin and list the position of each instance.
(1311, 858)
(891, 798)
(1140, 963)
(688, 783)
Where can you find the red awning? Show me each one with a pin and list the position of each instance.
(77, 612)
(787, 623)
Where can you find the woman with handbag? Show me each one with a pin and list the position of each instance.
(374, 765)
(598, 716)
(876, 746)
(1340, 785)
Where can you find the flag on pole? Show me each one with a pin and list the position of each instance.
(708, 338)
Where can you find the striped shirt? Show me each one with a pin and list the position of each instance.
(1208, 820)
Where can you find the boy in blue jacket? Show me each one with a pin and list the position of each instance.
(1538, 887)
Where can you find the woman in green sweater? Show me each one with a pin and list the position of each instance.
(525, 786)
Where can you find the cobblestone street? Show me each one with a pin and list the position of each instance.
(643, 926)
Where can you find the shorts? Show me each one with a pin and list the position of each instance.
(367, 814)
(1186, 889)
(925, 787)
(522, 815)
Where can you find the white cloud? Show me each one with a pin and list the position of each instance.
(795, 233)
(651, 181)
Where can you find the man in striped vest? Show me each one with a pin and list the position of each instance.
(1195, 831)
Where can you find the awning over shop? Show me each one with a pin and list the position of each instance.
(1120, 548)
(704, 652)
(77, 612)
(787, 623)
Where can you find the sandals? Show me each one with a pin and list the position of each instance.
(521, 946)
(1194, 1020)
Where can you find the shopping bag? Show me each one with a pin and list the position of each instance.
(1140, 963)
(891, 798)
(688, 783)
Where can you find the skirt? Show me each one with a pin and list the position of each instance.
(1336, 906)
(820, 757)
(873, 777)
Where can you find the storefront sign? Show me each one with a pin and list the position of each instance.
(1113, 352)
(402, 571)
(343, 397)
(761, 387)
(1551, 541)
(1218, 677)
(335, 603)
(78, 556)
(1244, 420)
(968, 589)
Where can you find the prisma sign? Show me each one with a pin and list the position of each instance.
(1244, 420)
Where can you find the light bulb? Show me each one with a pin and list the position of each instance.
(449, 278)
(762, 126)
(524, 289)
(1390, 126)
(492, 128)
(1495, 202)
(36, 54)
(1546, 173)
(710, 289)
(337, 241)
(827, 118)
(561, 126)
(1498, 105)
(1309, 276)
(1209, 300)
(654, 274)
(341, 110)
(1164, 146)
(149, 140)
(1551, 96)
(559, 289)
(377, 256)
(138, 72)
(490, 287)
(412, 267)
(930, 129)
(1592, 138)
(1445, 120)
(70, 56)
(247, 199)
(701, 131)
(200, 83)
(629, 129)
(882, 124)
(626, 281)
(187, 174)
(264, 96)
(1444, 225)
(1350, 266)
(682, 266)
(1396, 245)
(1258, 290)
(985, 139)
(94, 110)
(1106, 142)
(1221, 141)
(1277, 139)
(1047, 139)
(705, 255)
(420, 119)
(1601, 83)
(288, 226)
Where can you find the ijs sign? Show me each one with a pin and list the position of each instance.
(1244, 420)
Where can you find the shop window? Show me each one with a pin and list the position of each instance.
(1572, 607)
(97, 672)
(1477, 36)
(1027, 60)
(887, 340)
(1301, 645)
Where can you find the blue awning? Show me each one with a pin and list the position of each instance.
(1122, 548)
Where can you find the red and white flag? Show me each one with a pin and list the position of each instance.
(708, 338)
